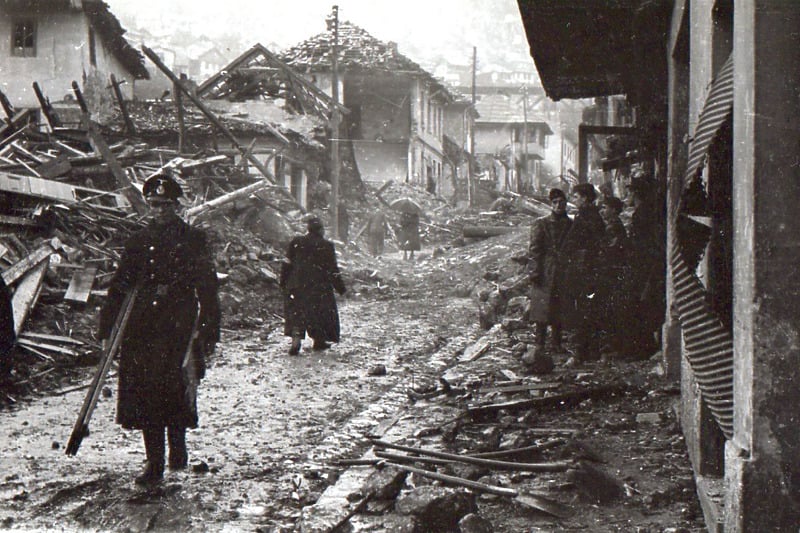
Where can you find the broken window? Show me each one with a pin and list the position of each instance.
(23, 38)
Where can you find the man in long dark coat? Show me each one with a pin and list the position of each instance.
(545, 269)
(308, 281)
(171, 267)
(376, 233)
(7, 334)
(582, 248)
(408, 236)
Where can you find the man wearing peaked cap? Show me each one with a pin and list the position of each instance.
(161, 186)
(173, 325)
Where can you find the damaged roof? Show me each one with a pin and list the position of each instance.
(258, 74)
(358, 52)
(102, 20)
(504, 109)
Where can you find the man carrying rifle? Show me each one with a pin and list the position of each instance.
(173, 325)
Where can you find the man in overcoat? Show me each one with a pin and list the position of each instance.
(170, 266)
(408, 236)
(308, 282)
(582, 248)
(7, 334)
(545, 270)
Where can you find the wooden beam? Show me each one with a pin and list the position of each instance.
(18, 269)
(47, 109)
(80, 286)
(129, 127)
(214, 120)
(27, 293)
(121, 179)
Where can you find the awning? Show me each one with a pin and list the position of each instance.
(718, 107)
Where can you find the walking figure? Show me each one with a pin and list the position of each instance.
(308, 281)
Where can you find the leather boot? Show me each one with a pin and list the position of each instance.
(154, 447)
(295, 348)
(178, 455)
(320, 345)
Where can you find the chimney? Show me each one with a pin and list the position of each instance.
(393, 47)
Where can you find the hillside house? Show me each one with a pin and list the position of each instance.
(282, 117)
(509, 144)
(56, 42)
(395, 127)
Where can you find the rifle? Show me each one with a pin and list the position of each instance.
(188, 367)
(81, 427)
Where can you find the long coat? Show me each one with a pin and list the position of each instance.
(7, 334)
(311, 276)
(582, 248)
(546, 266)
(172, 266)
(408, 236)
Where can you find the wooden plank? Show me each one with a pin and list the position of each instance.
(80, 286)
(18, 269)
(27, 293)
(522, 388)
(45, 346)
(52, 338)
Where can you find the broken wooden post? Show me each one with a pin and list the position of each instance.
(129, 127)
(7, 108)
(100, 146)
(47, 109)
(27, 293)
(214, 120)
(176, 89)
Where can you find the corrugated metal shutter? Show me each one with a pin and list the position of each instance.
(708, 344)
(718, 106)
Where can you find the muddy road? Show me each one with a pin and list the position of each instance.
(269, 422)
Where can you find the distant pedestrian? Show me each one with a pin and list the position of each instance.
(546, 271)
(308, 282)
(614, 278)
(582, 247)
(376, 233)
(409, 234)
(173, 326)
(344, 224)
(7, 334)
(647, 252)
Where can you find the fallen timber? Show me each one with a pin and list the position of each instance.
(81, 427)
(558, 466)
(556, 400)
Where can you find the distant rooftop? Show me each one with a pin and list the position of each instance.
(358, 51)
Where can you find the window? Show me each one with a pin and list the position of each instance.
(23, 38)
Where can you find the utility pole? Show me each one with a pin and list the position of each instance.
(524, 172)
(471, 174)
(333, 23)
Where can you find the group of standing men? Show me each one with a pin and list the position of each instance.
(589, 274)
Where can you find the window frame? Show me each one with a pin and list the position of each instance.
(20, 25)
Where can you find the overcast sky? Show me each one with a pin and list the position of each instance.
(425, 23)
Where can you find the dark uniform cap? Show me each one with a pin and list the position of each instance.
(614, 203)
(313, 223)
(162, 186)
(585, 189)
(556, 193)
